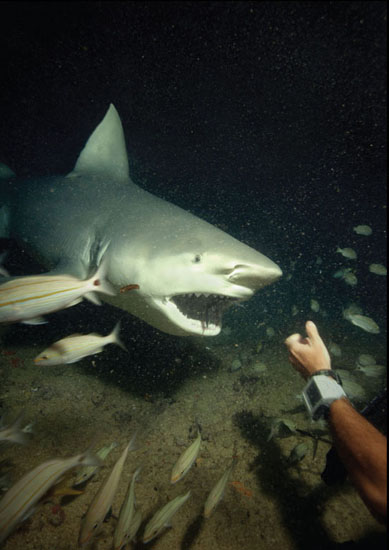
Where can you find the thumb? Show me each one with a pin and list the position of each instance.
(312, 331)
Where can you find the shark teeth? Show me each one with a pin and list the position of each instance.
(204, 308)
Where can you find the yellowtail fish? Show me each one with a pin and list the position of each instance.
(103, 499)
(217, 493)
(122, 534)
(20, 500)
(365, 323)
(163, 517)
(348, 253)
(186, 460)
(88, 471)
(73, 348)
(14, 433)
(26, 299)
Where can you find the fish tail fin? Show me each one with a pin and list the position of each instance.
(91, 297)
(132, 446)
(17, 435)
(89, 458)
(114, 337)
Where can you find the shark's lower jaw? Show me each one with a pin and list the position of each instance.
(199, 313)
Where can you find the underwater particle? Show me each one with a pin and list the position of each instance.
(315, 306)
(270, 332)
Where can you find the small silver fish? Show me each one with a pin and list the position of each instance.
(122, 535)
(163, 517)
(103, 499)
(363, 230)
(20, 500)
(334, 349)
(348, 253)
(352, 309)
(372, 370)
(74, 348)
(378, 269)
(217, 493)
(186, 460)
(281, 427)
(26, 299)
(298, 453)
(87, 472)
(365, 359)
(365, 323)
(350, 278)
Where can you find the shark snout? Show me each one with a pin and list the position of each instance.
(255, 276)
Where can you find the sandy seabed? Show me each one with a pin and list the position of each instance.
(268, 504)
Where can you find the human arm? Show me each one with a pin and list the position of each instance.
(363, 451)
(361, 447)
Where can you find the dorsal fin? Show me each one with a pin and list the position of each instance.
(105, 151)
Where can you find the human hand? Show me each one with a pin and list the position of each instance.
(308, 355)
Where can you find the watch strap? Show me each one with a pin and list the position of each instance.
(329, 372)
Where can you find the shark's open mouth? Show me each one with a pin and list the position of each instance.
(207, 309)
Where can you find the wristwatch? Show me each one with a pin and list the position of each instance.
(323, 388)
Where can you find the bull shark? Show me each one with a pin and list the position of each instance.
(188, 271)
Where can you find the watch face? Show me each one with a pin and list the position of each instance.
(313, 393)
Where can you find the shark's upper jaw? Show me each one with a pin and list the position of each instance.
(198, 313)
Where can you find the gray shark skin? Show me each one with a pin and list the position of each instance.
(188, 271)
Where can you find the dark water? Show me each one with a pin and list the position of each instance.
(266, 119)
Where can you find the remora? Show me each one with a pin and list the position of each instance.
(188, 271)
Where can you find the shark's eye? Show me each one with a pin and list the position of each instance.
(197, 259)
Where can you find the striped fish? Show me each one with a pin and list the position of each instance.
(103, 499)
(125, 531)
(217, 493)
(20, 500)
(186, 460)
(163, 517)
(75, 347)
(26, 299)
